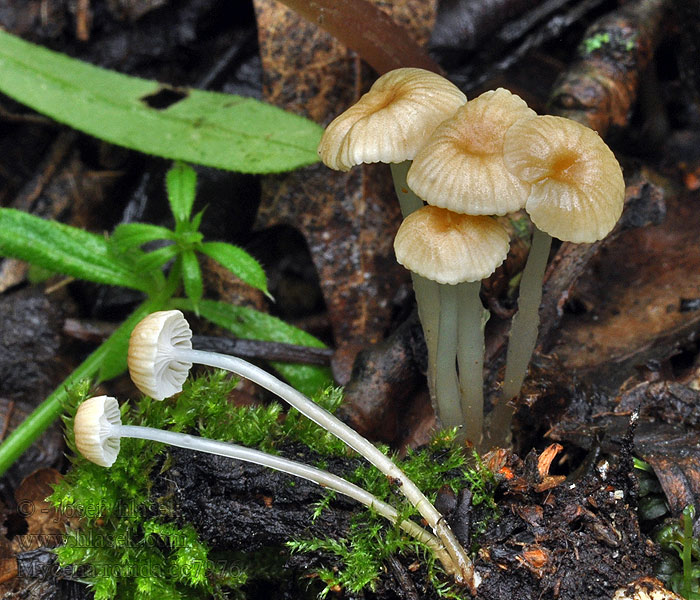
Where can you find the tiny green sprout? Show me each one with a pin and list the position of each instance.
(185, 241)
(596, 42)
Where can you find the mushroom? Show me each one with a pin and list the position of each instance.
(389, 124)
(576, 195)
(461, 168)
(98, 430)
(159, 349)
(456, 251)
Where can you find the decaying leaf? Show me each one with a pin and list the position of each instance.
(630, 312)
(644, 206)
(348, 219)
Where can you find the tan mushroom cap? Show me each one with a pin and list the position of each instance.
(391, 121)
(577, 189)
(449, 247)
(93, 429)
(461, 166)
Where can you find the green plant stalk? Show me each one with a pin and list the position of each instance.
(686, 556)
(50, 409)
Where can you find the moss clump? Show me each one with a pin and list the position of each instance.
(128, 546)
(356, 561)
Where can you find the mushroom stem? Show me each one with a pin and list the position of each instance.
(278, 463)
(320, 416)
(427, 292)
(470, 358)
(408, 201)
(523, 336)
(446, 381)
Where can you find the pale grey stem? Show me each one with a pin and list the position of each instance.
(447, 384)
(427, 292)
(278, 463)
(343, 432)
(523, 335)
(470, 358)
(408, 201)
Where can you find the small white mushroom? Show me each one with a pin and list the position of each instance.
(153, 359)
(98, 430)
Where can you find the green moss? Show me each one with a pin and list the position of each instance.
(128, 546)
(595, 42)
(370, 541)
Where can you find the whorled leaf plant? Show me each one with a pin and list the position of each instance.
(120, 261)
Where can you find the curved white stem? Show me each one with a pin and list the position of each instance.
(354, 440)
(278, 463)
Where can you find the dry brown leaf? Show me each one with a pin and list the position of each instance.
(348, 219)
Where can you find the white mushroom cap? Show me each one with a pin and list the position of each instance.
(94, 429)
(391, 121)
(449, 247)
(152, 359)
(461, 167)
(577, 191)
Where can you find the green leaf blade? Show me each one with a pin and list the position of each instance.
(63, 249)
(192, 277)
(238, 261)
(130, 235)
(181, 183)
(218, 130)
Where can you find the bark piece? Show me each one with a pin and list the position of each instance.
(600, 89)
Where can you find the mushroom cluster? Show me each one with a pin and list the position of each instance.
(159, 359)
(486, 157)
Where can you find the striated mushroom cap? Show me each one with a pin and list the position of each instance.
(461, 166)
(391, 121)
(94, 432)
(154, 342)
(449, 247)
(577, 189)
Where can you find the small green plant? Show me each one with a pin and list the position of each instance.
(596, 42)
(131, 532)
(119, 260)
(676, 537)
(680, 563)
(126, 546)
